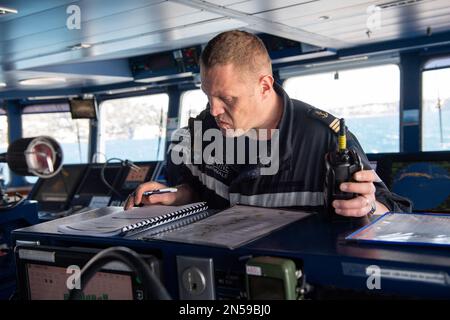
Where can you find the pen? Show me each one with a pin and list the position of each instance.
(159, 191)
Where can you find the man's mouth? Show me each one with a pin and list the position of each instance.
(223, 125)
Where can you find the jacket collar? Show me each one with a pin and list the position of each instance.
(286, 125)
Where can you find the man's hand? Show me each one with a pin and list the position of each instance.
(363, 203)
(184, 195)
(137, 198)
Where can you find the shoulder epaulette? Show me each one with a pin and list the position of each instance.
(331, 121)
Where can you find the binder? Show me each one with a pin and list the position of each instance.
(136, 220)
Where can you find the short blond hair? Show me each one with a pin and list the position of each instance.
(239, 48)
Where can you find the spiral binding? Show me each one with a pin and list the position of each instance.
(165, 218)
(172, 227)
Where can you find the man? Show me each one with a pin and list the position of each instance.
(243, 98)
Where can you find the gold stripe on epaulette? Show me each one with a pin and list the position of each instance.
(334, 124)
(337, 128)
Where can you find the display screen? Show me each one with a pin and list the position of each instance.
(425, 183)
(83, 109)
(59, 187)
(131, 178)
(266, 288)
(93, 183)
(136, 177)
(50, 283)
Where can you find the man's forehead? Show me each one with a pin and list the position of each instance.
(219, 82)
(217, 89)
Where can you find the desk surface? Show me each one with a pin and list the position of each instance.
(312, 235)
(320, 246)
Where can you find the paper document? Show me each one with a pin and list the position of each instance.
(233, 227)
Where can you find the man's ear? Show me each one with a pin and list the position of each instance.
(266, 84)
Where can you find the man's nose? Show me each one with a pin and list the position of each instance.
(216, 107)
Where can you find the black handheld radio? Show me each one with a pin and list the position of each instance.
(341, 164)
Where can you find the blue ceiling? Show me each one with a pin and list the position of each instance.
(37, 42)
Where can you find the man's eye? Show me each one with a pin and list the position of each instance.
(228, 101)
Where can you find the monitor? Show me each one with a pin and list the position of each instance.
(93, 189)
(45, 273)
(55, 193)
(131, 179)
(424, 178)
(83, 108)
(134, 178)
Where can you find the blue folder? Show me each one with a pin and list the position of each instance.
(430, 229)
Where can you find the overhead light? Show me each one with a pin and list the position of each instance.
(2, 84)
(42, 81)
(80, 46)
(341, 60)
(165, 78)
(4, 10)
(306, 56)
(323, 18)
(49, 98)
(126, 90)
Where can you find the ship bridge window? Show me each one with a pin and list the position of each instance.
(436, 107)
(192, 103)
(134, 128)
(368, 99)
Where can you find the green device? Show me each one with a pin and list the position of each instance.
(270, 278)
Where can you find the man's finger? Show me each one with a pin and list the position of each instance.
(138, 195)
(354, 212)
(165, 198)
(142, 188)
(129, 203)
(136, 198)
(351, 212)
(366, 176)
(355, 203)
(358, 187)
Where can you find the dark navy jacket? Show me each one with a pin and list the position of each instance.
(305, 135)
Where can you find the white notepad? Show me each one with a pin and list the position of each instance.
(132, 221)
